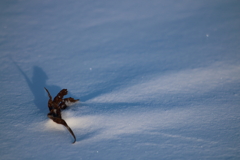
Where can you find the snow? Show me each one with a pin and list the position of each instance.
(155, 79)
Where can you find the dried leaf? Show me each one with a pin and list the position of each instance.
(56, 105)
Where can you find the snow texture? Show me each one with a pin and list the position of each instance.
(155, 79)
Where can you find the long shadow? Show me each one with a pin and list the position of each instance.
(106, 87)
(89, 135)
(37, 84)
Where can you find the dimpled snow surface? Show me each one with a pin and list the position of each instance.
(156, 79)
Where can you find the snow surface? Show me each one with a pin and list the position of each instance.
(156, 79)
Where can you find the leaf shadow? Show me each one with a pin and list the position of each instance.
(36, 86)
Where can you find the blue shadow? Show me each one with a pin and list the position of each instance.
(37, 84)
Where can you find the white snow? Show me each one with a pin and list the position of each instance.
(155, 79)
(190, 81)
